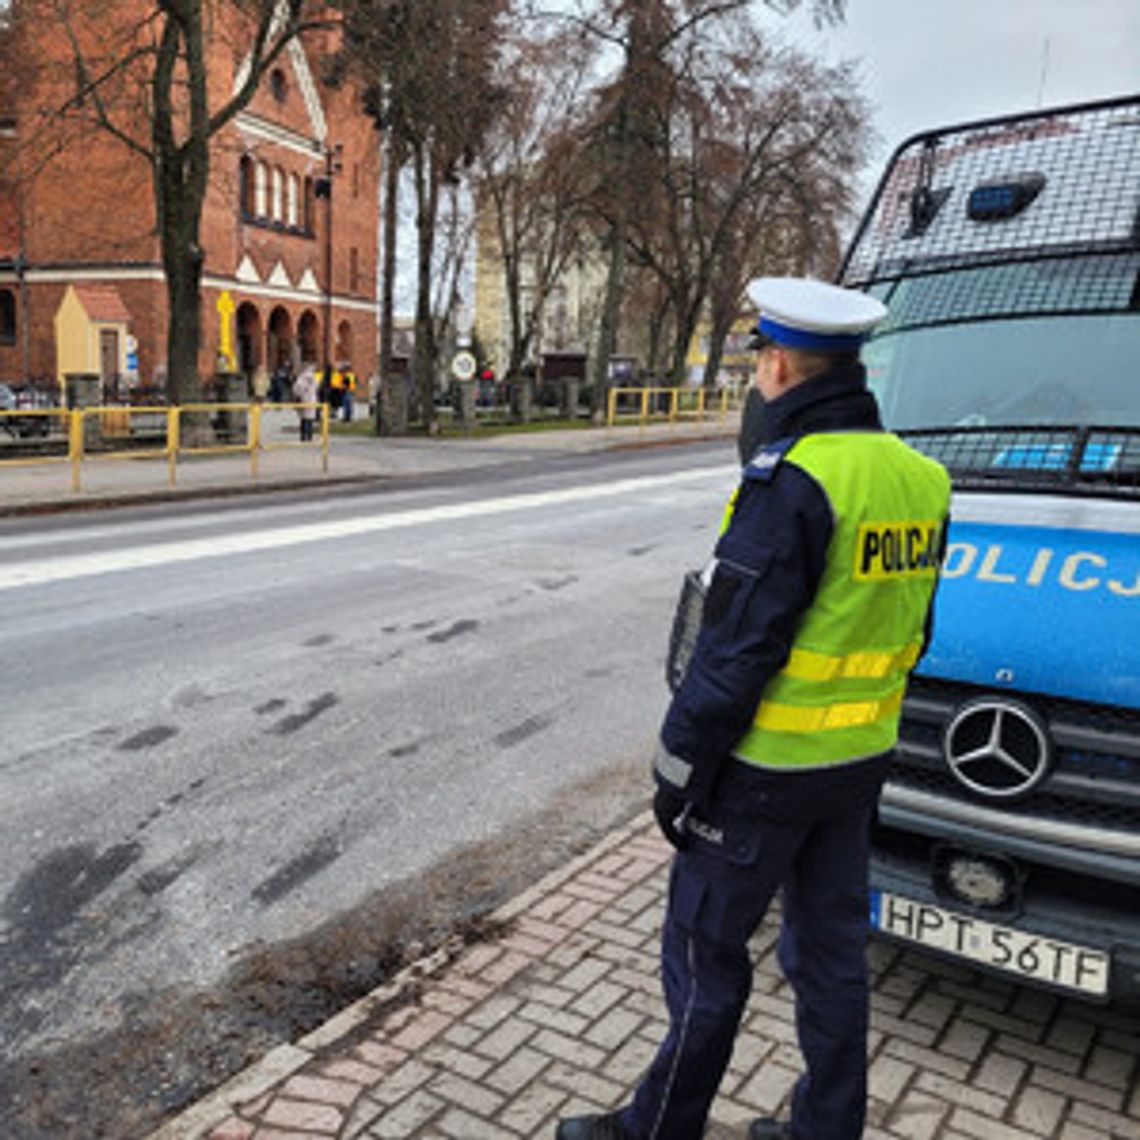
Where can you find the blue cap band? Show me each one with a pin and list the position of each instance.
(802, 338)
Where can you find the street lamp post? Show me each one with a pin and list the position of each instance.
(323, 189)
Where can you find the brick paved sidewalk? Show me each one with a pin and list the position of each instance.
(561, 1013)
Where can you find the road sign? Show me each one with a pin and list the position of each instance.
(463, 365)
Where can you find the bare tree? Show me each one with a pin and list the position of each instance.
(433, 61)
(455, 240)
(143, 76)
(391, 412)
(531, 180)
(753, 144)
(646, 33)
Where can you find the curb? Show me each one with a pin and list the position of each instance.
(111, 499)
(95, 501)
(287, 1060)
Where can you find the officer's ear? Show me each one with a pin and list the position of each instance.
(783, 374)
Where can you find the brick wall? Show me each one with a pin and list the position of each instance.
(89, 208)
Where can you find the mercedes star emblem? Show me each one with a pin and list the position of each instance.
(998, 748)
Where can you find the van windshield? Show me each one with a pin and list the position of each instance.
(1075, 370)
(1035, 344)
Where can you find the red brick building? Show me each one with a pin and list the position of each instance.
(77, 209)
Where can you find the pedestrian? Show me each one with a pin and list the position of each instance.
(348, 389)
(335, 397)
(305, 392)
(279, 383)
(776, 742)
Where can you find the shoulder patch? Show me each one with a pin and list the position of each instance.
(762, 466)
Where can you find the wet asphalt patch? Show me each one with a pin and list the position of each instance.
(148, 738)
(287, 725)
(532, 726)
(173, 1047)
(315, 858)
(49, 916)
(456, 629)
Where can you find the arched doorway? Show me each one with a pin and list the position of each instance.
(279, 342)
(248, 338)
(308, 334)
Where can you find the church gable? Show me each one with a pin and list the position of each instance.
(288, 98)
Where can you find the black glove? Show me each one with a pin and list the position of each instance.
(671, 811)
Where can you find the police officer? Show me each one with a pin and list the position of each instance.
(776, 743)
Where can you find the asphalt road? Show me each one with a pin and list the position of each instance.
(227, 725)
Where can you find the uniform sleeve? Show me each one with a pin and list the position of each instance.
(769, 564)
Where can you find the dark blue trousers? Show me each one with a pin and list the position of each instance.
(810, 837)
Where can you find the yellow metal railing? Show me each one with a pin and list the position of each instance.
(669, 404)
(94, 434)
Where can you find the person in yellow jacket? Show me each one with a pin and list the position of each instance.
(776, 743)
(348, 386)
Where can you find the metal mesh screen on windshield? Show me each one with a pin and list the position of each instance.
(1072, 459)
(1048, 184)
(1008, 254)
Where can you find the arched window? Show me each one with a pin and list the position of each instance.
(7, 316)
(278, 83)
(278, 195)
(245, 186)
(260, 190)
(294, 195)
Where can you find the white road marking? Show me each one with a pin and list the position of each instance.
(38, 572)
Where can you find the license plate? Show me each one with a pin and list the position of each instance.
(1082, 969)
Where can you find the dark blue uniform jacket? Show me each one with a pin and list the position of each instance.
(769, 564)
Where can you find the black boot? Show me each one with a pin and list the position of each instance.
(766, 1128)
(608, 1127)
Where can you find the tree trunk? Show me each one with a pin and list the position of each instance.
(686, 327)
(180, 178)
(391, 412)
(425, 359)
(716, 353)
(182, 263)
(608, 324)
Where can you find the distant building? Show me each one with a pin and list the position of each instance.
(737, 362)
(569, 319)
(81, 281)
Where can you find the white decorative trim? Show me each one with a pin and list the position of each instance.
(280, 293)
(301, 70)
(279, 278)
(308, 282)
(308, 88)
(95, 274)
(280, 15)
(246, 272)
(257, 127)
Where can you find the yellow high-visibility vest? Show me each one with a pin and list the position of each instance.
(839, 695)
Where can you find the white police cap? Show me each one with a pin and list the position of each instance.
(803, 313)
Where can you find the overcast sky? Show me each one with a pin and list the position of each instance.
(929, 63)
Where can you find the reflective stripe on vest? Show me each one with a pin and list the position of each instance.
(839, 695)
(811, 666)
(776, 717)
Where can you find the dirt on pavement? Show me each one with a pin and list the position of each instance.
(173, 1047)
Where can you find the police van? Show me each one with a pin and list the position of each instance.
(1008, 252)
